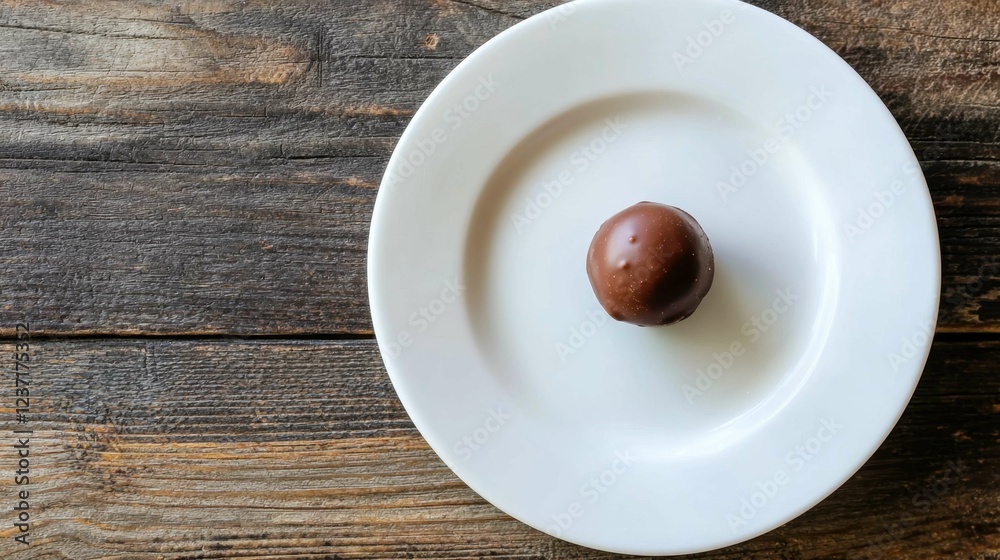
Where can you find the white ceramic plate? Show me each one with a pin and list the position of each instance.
(659, 440)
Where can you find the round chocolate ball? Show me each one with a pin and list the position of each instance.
(650, 264)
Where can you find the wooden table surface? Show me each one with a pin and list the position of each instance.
(186, 190)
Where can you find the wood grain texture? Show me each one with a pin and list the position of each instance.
(210, 167)
(154, 448)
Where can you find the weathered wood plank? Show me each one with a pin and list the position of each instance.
(215, 448)
(290, 80)
(280, 248)
(187, 69)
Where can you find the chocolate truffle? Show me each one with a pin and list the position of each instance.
(650, 264)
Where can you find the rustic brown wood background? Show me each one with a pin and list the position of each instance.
(185, 192)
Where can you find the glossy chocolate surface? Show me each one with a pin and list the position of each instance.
(650, 264)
